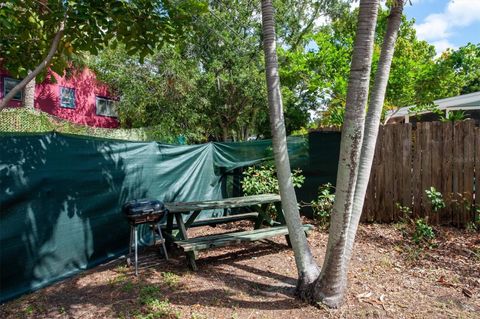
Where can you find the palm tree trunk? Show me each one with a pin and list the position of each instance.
(306, 266)
(331, 285)
(375, 107)
(38, 69)
(29, 95)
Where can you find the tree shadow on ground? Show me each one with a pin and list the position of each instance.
(273, 292)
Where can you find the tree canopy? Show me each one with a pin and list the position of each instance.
(32, 28)
(222, 61)
(316, 75)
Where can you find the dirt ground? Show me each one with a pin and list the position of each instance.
(388, 279)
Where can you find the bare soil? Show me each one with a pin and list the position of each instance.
(389, 278)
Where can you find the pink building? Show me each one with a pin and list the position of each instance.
(79, 98)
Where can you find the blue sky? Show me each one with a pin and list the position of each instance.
(446, 23)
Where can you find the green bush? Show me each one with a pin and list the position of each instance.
(322, 207)
(263, 180)
(423, 234)
(436, 199)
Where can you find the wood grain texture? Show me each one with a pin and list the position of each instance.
(233, 202)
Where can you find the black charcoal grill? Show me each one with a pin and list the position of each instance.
(144, 211)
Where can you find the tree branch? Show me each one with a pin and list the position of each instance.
(20, 86)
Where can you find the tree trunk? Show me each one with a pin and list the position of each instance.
(29, 95)
(224, 133)
(330, 287)
(375, 107)
(31, 76)
(307, 268)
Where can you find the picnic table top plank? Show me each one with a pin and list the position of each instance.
(233, 202)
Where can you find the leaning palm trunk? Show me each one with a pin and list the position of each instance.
(330, 287)
(375, 106)
(307, 268)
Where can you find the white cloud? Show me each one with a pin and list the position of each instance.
(434, 27)
(438, 27)
(463, 12)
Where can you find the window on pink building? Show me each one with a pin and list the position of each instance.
(106, 107)
(8, 85)
(67, 97)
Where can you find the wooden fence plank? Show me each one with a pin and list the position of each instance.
(417, 167)
(426, 164)
(380, 176)
(468, 170)
(389, 160)
(436, 165)
(406, 196)
(397, 172)
(457, 188)
(477, 169)
(447, 172)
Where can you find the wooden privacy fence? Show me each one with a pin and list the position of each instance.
(410, 160)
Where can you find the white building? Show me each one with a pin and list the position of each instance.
(469, 103)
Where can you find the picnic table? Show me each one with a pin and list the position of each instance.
(258, 213)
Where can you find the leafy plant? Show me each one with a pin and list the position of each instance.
(405, 210)
(453, 116)
(423, 232)
(322, 207)
(436, 198)
(474, 225)
(417, 230)
(263, 179)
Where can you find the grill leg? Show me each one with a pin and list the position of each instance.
(131, 241)
(136, 251)
(162, 241)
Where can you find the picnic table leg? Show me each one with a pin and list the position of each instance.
(281, 220)
(280, 216)
(261, 216)
(190, 255)
(168, 230)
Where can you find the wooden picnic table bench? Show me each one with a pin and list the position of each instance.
(259, 214)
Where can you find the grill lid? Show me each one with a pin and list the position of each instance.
(140, 207)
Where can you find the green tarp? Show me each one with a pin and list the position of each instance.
(60, 195)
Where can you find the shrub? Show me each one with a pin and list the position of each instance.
(322, 207)
(417, 230)
(423, 233)
(436, 199)
(263, 179)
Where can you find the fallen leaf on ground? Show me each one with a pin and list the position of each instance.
(364, 295)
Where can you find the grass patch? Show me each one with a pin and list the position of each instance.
(170, 279)
(128, 286)
(29, 310)
(118, 279)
